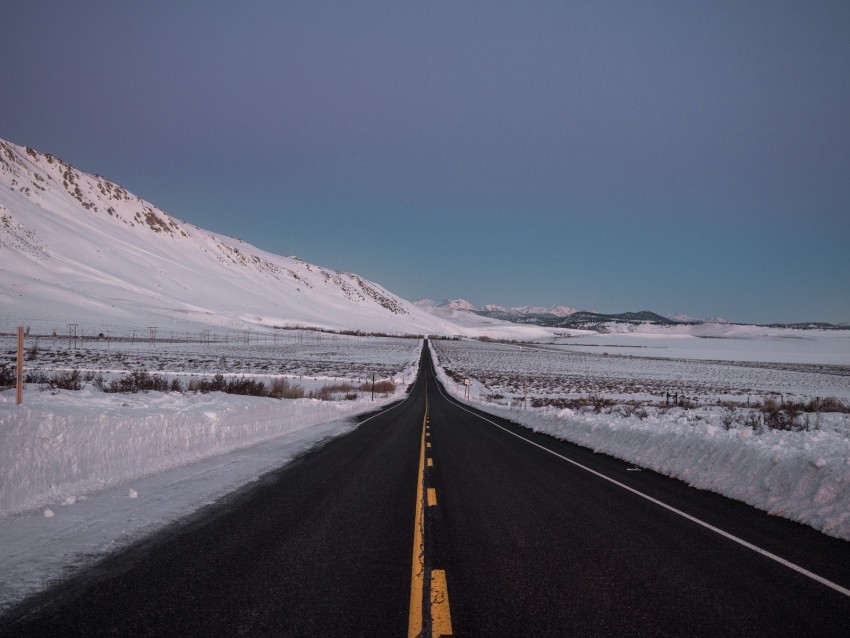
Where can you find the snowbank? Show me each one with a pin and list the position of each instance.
(63, 444)
(803, 476)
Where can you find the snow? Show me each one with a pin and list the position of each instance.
(800, 475)
(106, 469)
(457, 304)
(649, 369)
(85, 472)
(463, 323)
(39, 547)
(727, 342)
(66, 443)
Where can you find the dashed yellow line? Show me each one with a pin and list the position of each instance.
(430, 462)
(432, 497)
(441, 617)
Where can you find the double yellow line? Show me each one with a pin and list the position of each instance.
(432, 616)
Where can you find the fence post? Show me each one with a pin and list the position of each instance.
(817, 413)
(19, 383)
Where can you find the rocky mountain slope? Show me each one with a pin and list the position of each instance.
(78, 249)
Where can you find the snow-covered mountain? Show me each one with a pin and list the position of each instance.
(562, 311)
(78, 249)
(457, 304)
(494, 309)
(554, 311)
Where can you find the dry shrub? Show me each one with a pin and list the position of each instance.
(828, 404)
(780, 417)
(141, 381)
(7, 376)
(595, 402)
(384, 386)
(331, 392)
(282, 389)
(71, 380)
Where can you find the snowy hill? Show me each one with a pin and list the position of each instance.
(78, 249)
(494, 310)
(457, 304)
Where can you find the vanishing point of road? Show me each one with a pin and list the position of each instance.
(431, 518)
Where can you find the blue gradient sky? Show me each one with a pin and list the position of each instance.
(687, 157)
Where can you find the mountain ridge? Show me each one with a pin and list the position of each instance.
(80, 241)
(567, 317)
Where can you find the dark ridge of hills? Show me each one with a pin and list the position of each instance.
(581, 320)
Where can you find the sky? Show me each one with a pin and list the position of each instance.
(683, 157)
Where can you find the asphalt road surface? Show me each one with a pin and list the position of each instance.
(433, 519)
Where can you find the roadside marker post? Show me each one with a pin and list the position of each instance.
(19, 375)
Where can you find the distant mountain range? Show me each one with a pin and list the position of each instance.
(566, 317)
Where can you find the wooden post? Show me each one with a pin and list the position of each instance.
(817, 413)
(19, 383)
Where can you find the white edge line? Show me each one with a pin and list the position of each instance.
(717, 530)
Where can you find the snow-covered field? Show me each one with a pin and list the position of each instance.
(803, 475)
(716, 341)
(305, 357)
(60, 443)
(86, 471)
(648, 367)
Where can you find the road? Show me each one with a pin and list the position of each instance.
(432, 518)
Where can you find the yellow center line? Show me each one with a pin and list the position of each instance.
(417, 585)
(438, 600)
(417, 578)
